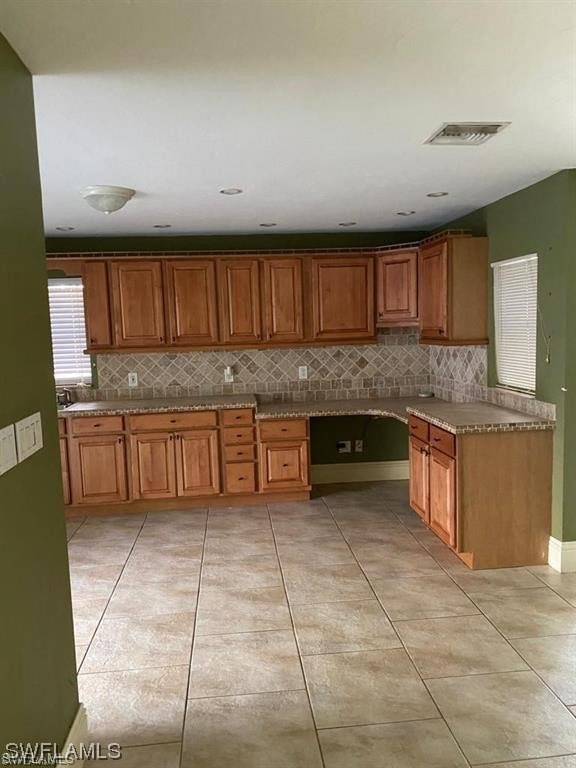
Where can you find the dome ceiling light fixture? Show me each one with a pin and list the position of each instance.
(105, 198)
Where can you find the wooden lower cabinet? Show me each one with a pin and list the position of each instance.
(65, 469)
(283, 465)
(197, 464)
(419, 481)
(153, 465)
(487, 495)
(442, 503)
(98, 469)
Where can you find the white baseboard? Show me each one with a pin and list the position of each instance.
(562, 555)
(77, 736)
(358, 472)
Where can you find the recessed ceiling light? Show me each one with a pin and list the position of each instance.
(347, 223)
(231, 191)
(268, 224)
(437, 194)
(162, 226)
(405, 213)
(65, 229)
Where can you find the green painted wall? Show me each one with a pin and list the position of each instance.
(38, 695)
(384, 439)
(228, 242)
(542, 219)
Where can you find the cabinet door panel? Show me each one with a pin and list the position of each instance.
(65, 471)
(197, 465)
(283, 305)
(343, 298)
(137, 303)
(98, 469)
(398, 287)
(434, 291)
(191, 301)
(419, 480)
(96, 304)
(284, 465)
(153, 465)
(240, 300)
(443, 496)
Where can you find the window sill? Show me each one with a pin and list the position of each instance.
(519, 392)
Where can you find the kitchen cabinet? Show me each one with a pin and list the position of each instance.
(397, 287)
(283, 454)
(461, 487)
(442, 510)
(419, 482)
(239, 287)
(197, 464)
(191, 302)
(283, 300)
(343, 297)
(137, 303)
(98, 469)
(96, 304)
(65, 469)
(453, 286)
(153, 465)
(238, 449)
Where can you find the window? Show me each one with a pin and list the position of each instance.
(66, 297)
(515, 320)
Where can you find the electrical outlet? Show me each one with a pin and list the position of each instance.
(302, 371)
(358, 446)
(228, 374)
(344, 446)
(133, 379)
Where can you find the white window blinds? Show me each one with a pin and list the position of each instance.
(66, 297)
(515, 320)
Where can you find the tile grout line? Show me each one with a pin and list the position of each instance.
(300, 661)
(191, 655)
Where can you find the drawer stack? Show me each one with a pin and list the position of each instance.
(238, 450)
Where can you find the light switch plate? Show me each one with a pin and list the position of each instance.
(8, 455)
(29, 436)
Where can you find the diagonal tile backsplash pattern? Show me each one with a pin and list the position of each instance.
(396, 366)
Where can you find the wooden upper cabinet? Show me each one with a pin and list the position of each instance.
(453, 291)
(96, 304)
(434, 291)
(283, 300)
(343, 297)
(239, 300)
(397, 287)
(138, 305)
(191, 303)
(197, 465)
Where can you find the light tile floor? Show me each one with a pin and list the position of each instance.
(337, 632)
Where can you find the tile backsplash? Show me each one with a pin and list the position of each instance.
(394, 367)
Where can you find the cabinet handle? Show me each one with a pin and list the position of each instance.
(161, 339)
(283, 429)
(237, 417)
(97, 425)
(171, 437)
(241, 478)
(436, 439)
(92, 340)
(173, 338)
(173, 421)
(284, 465)
(240, 435)
(120, 440)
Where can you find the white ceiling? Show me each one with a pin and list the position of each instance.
(317, 109)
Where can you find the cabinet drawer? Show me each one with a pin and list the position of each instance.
(172, 421)
(240, 478)
(237, 417)
(442, 440)
(83, 425)
(239, 453)
(61, 427)
(283, 429)
(418, 428)
(238, 435)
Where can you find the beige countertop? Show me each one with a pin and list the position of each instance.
(159, 405)
(458, 418)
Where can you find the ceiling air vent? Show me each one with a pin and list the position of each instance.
(465, 134)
